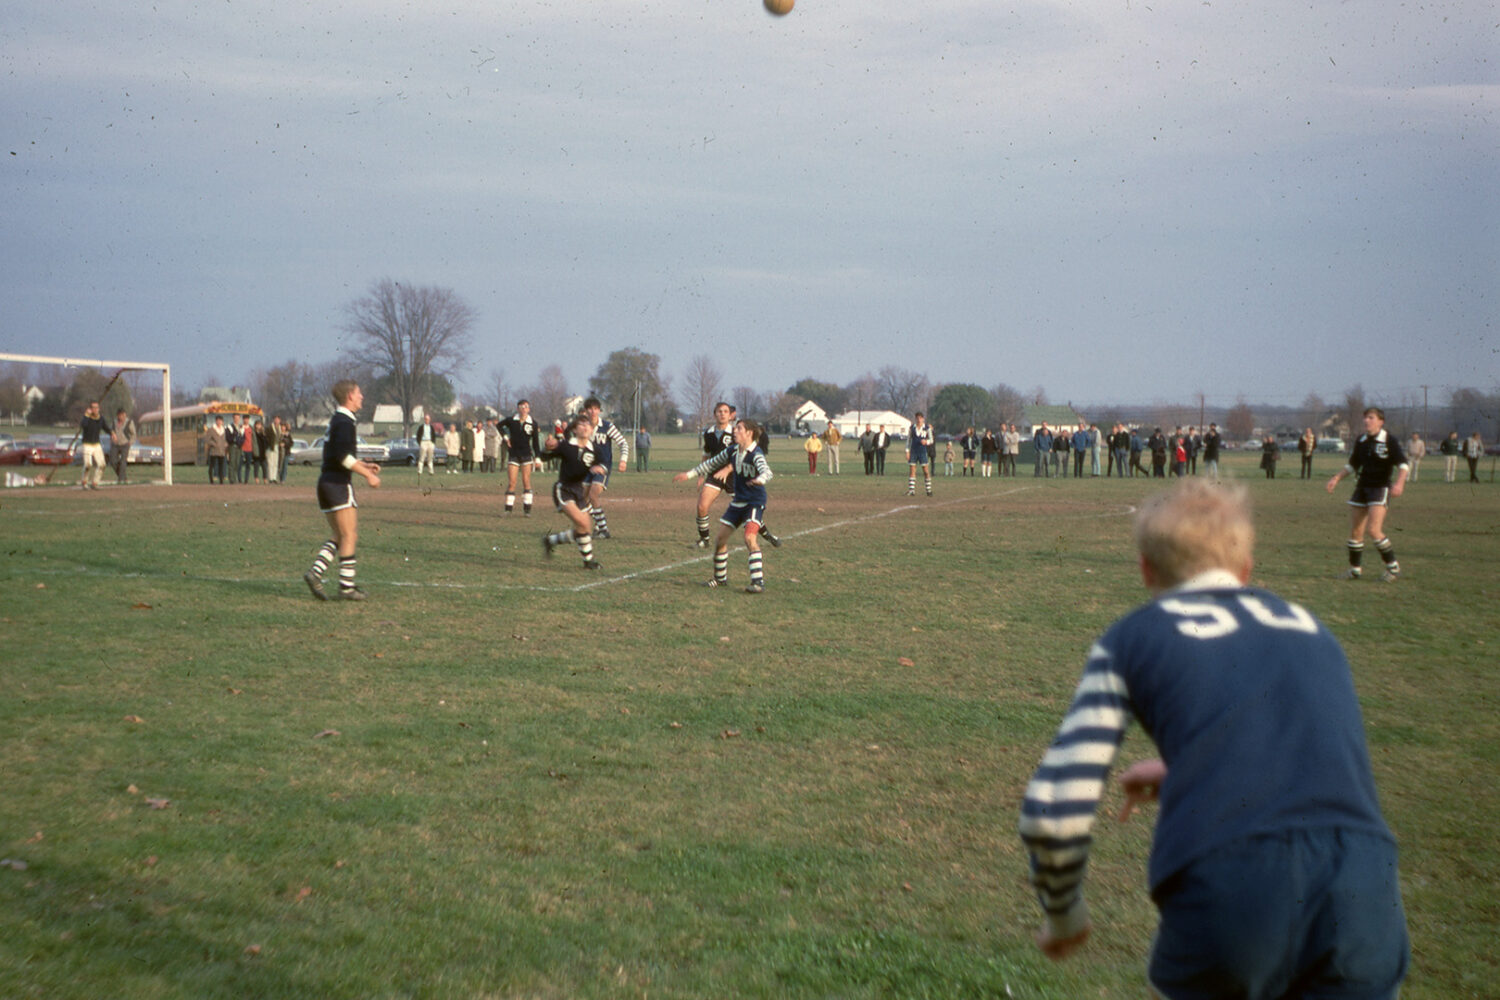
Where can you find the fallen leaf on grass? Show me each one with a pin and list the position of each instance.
(235, 691)
(140, 606)
(304, 892)
(41, 586)
(519, 637)
(158, 803)
(906, 887)
(252, 950)
(35, 838)
(723, 638)
(729, 734)
(674, 725)
(624, 711)
(906, 661)
(134, 718)
(327, 732)
(151, 861)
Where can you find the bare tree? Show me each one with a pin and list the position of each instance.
(1313, 411)
(860, 396)
(747, 401)
(407, 334)
(1010, 406)
(902, 389)
(1352, 412)
(1038, 395)
(500, 380)
(290, 390)
(549, 397)
(1239, 422)
(702, 387)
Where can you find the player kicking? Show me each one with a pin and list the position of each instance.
(749, 474)
(1376, 456)
(336, 494)
(570, 494)
(523, 445)
(719, 438)
(606, 438)
(1272, 870)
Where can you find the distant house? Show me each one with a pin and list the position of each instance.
(389, 415)
(1036, 414)
(854, 422)
(810, 418)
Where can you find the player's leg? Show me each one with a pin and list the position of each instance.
(911, 479)
(510, 486)
(596, 507)
(526, 494)
(756, 560)
(345, 525)
(707, 493)
(721, 555)
(1359, 516)
(927, 478)
(1384, 547)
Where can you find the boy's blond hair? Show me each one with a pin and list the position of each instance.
(342, 390)
(1193, 527)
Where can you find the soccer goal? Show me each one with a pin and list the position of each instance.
(118, 368)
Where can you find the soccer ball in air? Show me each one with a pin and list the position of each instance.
(780, 7)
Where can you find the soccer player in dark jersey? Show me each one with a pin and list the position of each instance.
(1272, 869)
(1376, 457)
(717, 438)
(575, 452)
(607, 438)
(918, 449)
(336, 494)
(523, 445)
(749, 474)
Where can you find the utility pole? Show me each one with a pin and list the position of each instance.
(1424, 413)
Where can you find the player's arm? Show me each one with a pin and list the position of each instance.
(1141, 783)
(763, 473)
(1057, 816)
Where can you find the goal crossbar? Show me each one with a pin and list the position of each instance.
(144, 366)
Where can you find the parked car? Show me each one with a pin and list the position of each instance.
(404, 451)
(1331, 444)
(367, 452)
(140, 454)
(43, 449)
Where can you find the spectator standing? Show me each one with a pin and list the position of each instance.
(1473, 452)
(643, 450)
(832, 438)
(882, 441)
(1307, 444)
(1269, 453)
(453, 445)
(1416, 450)
(813, 445)
(1449, 449)
(948, 459)
(1041, 443)
(1212, 442)
(121, 438)
(867, 449)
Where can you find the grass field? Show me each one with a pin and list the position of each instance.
(506, 777)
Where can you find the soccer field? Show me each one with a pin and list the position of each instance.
(505, 776)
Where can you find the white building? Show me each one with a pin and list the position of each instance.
(852, 423)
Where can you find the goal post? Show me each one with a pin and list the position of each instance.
(123, 366)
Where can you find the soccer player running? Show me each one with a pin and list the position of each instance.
(523, 445)
(607, 437)
(575, 452)
(336, 494)
(717, 439)
(749, 474)
(918, 449)
(1376, 457)
(1272, 870)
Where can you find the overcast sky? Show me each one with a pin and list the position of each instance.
(1116, 201)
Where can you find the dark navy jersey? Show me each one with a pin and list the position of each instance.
(921, 442)
(1376, 459)
(606, 438)
(745, 466)
(341, 442)
(521, 437)
(1251, 703)
(576, 462)
(716, 440)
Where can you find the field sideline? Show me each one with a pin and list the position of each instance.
(504, 776)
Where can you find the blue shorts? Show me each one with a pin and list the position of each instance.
(1310, 913)
(335, 496)
(918, 457)
(737, 514)
(602, 478)
(1370, 496)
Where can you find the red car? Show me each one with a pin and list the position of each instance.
(37, 451)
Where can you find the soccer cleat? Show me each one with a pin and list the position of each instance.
(773, 539)
(1390, 576)
(352, 594)
(716, 582)
(756, 588)
(1350, 574)
(911, 493)
(314, 584)
(591, 564)
(602, 533)
(703, 542)
(547, 545)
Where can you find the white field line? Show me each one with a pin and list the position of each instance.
(1124, 510)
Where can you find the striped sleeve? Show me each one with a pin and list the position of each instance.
(712, 464)
(1057, 816)
(762, 467)
(619, 439)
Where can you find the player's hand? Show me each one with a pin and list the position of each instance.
(681, 477)
(1398, 489)
(622, 466)
(1058, 949)
(1142, 783)
(374, 480)
(1333, 484)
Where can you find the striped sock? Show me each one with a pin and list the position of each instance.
(324, 557)
(346, 572)
(757, 572)
(1356, 555)
(585, 545)
(911, 484)
(561, 537)
(721, 565)
(510, 502)
(601, 521)
(526, 499)
(1387, 552)
(703, 527)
